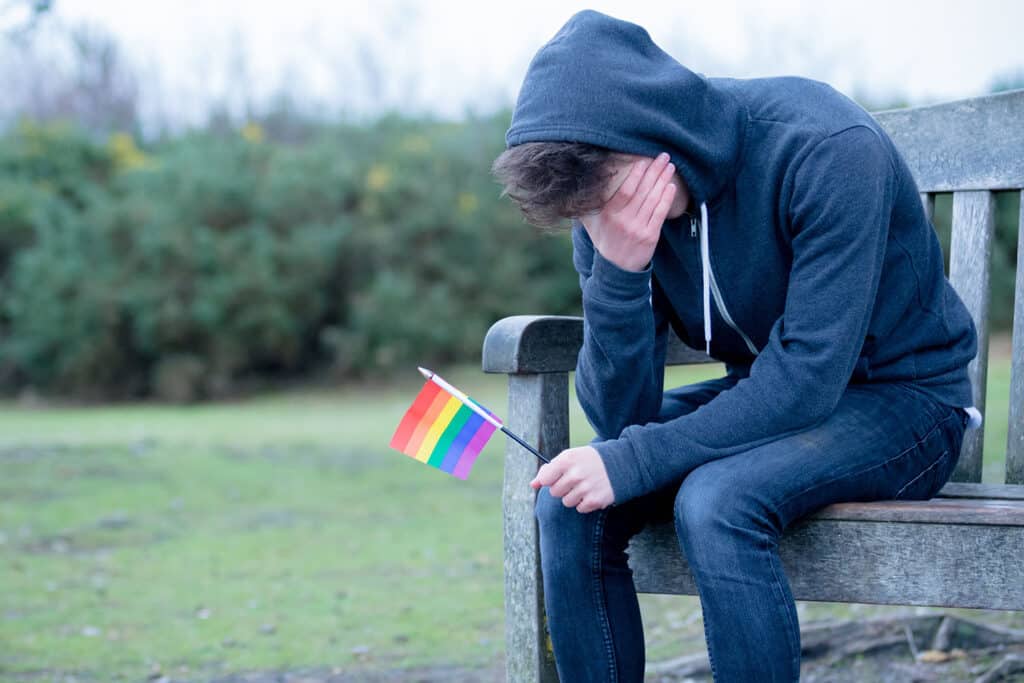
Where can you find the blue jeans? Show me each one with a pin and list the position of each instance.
(883, 441)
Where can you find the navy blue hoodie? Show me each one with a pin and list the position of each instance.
(805, 261)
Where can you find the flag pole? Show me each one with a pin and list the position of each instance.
(477, 408)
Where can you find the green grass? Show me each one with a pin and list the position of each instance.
(270, 533)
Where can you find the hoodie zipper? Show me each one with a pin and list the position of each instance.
(717, 294)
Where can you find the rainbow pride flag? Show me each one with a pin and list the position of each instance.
(440, 430)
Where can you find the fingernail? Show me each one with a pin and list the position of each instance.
(663, 156)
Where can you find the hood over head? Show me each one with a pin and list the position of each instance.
(603, 81)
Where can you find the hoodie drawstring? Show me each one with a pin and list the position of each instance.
(705, 267)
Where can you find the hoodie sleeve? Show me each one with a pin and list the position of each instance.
(620, 370)
(839, 213)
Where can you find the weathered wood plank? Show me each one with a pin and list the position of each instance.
(958, 489)
(969, 265)
(886, 563)
(971, 144)
(1015, 434)
(538, 411)
(528, 344)
(987, 511)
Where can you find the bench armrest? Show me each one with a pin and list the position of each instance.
(528, 344)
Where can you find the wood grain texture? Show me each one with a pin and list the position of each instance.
(970, 258)
(970, 144)
(957, 489)
(538, 411)
(1015, 434)
(983, 511)
(527, 344)
(887, 563)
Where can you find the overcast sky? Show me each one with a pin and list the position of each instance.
(447, 56)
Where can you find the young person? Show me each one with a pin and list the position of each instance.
(772, 223)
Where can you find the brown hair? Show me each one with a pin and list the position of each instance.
(553, 181)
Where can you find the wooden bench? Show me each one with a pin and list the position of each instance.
(964, 548)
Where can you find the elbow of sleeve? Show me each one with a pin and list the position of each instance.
(609, 413)
(599, 422)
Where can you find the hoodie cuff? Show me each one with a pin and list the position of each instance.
(624, 470)
(609, 282)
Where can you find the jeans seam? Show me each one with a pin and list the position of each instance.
(923, 472)
(782, 600)
(707, 639)
(920, 441)
(601, 599)
(700, 582)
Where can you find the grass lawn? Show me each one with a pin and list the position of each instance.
(276, 532)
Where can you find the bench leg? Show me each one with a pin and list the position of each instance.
(538, 411)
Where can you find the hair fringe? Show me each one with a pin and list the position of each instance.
(554, 181)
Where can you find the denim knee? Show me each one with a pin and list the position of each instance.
(710, 510)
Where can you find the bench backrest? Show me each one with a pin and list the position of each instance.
(970, 148)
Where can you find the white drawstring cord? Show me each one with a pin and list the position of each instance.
(705, 267)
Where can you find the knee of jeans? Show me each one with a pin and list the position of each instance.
(694, 509)
(707, 504)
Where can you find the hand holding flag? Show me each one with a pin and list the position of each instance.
(577, 476)
(446, 429)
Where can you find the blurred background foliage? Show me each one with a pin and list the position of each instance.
(185, 268)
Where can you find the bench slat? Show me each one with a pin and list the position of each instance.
(987, 511)
(957, 489)
(975, 144)
(969, 266)
(1015, 435)
(888, 563)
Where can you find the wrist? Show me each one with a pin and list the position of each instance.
(609, 281)
(625, 263)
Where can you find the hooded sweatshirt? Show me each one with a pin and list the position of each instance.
(804, 262)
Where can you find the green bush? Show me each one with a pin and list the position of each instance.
(207, 260)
